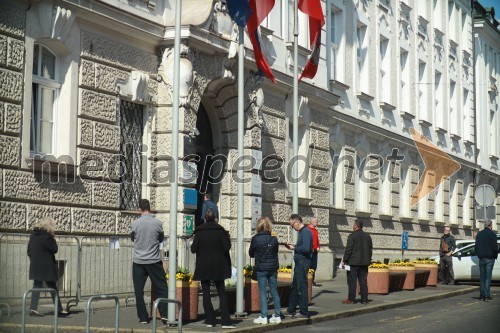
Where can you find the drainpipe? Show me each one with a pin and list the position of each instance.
(474, 106)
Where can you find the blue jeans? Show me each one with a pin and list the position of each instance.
(485, 270)
(272, 278)
(299, 293)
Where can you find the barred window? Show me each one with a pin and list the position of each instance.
(131, 131)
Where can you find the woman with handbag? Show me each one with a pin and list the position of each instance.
(42, 248)
(264, 248)
(212, 244)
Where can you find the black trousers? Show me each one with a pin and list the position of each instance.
(36, 295)
(358, 273)
(140, 273)
(207, 303)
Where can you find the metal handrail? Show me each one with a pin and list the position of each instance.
(168, 300)
(100, 298)
(56, 302)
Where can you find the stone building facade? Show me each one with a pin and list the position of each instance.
(86, 91)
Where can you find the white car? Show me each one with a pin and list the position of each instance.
(466, 264)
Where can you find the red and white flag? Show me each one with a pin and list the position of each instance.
(312, 8)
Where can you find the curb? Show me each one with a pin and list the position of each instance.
(7, 328)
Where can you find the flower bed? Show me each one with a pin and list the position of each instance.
(404, 267)
(378, 278)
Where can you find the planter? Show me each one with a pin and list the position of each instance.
(433, 276)
(378, 281)
(251, 295)
(409, 283)
(287, 278)
(187, 293)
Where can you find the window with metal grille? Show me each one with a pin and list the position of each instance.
(131, 130)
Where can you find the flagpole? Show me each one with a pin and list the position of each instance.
(295, 119)
(240, 188)
(172, 264)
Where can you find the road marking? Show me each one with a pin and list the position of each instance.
(398, 319)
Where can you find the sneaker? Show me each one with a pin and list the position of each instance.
(289, 314)
(34, 313)
(210, 326)
(228, 326)
(260, 320)
(63, 314)
(489, 298)
(275, 319)
(300, 316)
(144, 322)
(364, 302)
(164, 320)
(348, 301)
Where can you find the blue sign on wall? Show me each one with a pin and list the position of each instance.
(404, 240)
(190, 198)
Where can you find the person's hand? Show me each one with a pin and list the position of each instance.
(290, 246)
(449, 253)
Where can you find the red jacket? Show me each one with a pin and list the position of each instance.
(315, 243)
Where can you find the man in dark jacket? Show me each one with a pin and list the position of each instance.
(209, 204)
(358, 255)
(487, 251)
(302, 258)
(212, 244)
(446, 248)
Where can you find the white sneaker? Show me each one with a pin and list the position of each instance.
(260, 320)
(275, 319)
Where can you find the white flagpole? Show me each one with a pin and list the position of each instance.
(295, 120)
(240, 188)
(172, 264)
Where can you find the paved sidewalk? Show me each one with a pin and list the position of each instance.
(327, 305)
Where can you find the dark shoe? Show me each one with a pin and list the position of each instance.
(365, 301)
(348, 301)
(301, 316)
(317, 284)
(489, 298)
(481, 298)
(288, 314)
(164, 320)
(34, 313)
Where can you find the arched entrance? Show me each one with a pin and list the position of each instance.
(205, 150)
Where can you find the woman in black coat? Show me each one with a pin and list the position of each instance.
(42, 248)
(264, 248)
(212, 244)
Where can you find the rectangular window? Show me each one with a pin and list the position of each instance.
(438, 101)
(362, 58)
(404, 193)
(274, 20)
(131, 132)
(385, 76)
(454, 110)
(42, 119)
(404, 91)
(333, 43)
(362, 185)
(422, 92)
(385, 189)
(291, 18)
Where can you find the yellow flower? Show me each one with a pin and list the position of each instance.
(404, 264)
(378, 265)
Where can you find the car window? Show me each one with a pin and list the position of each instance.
(468, 252)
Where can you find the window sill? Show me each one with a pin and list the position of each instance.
(405, 218)
(423, 220)
(48, 164)
(425, 123)
(385, 216)
(387, 106)
(362, 213)
(406, 115)
(302, 200)
(364, 96)
(339, 85)
(338, 210)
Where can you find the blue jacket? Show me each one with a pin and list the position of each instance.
(303, 248)
(209, 204)
(262, 242)
(486, 244)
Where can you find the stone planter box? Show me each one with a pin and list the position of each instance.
(378, 281)
(409, 283)
(287, 278)
(187, 294)
(251, 297)
(432, 280)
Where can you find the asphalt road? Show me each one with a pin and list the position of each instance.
(460, 314)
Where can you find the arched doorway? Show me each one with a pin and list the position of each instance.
(205, 150)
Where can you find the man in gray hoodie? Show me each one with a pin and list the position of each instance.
(147, 234)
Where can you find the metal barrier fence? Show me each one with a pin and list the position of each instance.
(88, 265)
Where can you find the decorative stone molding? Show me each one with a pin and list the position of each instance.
(227, 72)
(221, 21)
(135, 87)
(166, 72)
(150, 3)
(62, 21)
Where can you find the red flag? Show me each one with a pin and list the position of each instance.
(312, 8)
(260, 9)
